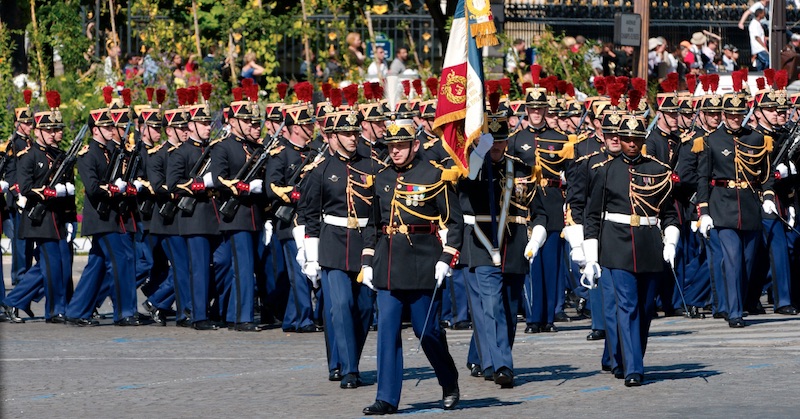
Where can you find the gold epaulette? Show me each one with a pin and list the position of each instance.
(644, 149)
(154, 149)
(277, 150)
(568, 149)
(173, 148)
(4, 147)
(448, 175)
(84, 150)
(602, 163)
(768, 143)
(430, 143)
(698, 145)
(587, 157)
(218, 140)
(580, 137)
(686, 136)
(23, 151)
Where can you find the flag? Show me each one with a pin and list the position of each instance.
(461, 104)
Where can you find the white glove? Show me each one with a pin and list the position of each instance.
(313, 271)
(440, 272)
(256, 186)
(70, 189)
(792, 168)
(577, 256)
(671, 236)
(121, 185)
(138, 185)
(366, 277)
(3, 186)
(792, 215)
(769, 207)
(783, 171)
(299, 234)
(538, 236)
(22, 202)
(267, 232)
(61, 190)
(71, 231)
(573, 235)
(478, 154)
(591, 272)
(208, 180)
(693, 225)
(443, 237)
(706, 224)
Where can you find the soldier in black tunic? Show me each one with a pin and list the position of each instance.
(21, 250)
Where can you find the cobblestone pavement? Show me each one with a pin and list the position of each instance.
(692, 368)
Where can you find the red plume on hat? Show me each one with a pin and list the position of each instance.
(335, 98)
(615, 91)
(205, 90)
(570, 90)
(634, 98)
(161, 96)
(600, 85)
(108, 91)
(377, 91)
(126, 96)
(526, 85)
(736, 78)
(639, 84)
(53, 99)
(368, 95)
(433, 86)
(193, 94)
(669, 85)
(713, 82)
(351, 94)
(282, 89)
(550, 84)
(781, 79)
(610, 80)
(691, 83)
(326, 90)
(561, 86)
(494, 101)
(760, 83)
(704, 82)
(304, 91)
(406, 87)
(238, 93)
(417, 84)
(27, 95)
(492, 86)
(536, 73)
(769, 74)
(624, 81)
(252, 92)
(149, 92)
(181, 95)
(505, 85)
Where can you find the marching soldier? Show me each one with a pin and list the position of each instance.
(734, 188)
(629, 196)
(548, 152)
(373, 124)
(21, 250)
(241, 229)
(663, 143)
(404, 260)
(337, 201)
(35, 169)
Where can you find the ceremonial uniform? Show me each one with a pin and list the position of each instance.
(21, 249)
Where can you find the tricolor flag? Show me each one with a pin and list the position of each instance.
(461, 104)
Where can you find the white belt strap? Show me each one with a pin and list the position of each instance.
(631, 220)
(343, 221)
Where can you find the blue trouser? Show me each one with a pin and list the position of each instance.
(570, 280)
(223, 267)
(143, 257)
(683, 256)
(544, 281)
(716, 277)
(495, 331)
(179, 288)
(275, 285)
(634, 294)
(477, 344)
(738, 249)
(331, 345)
(390, 345)
(698, 280)
(51, 271)
(778, 248)
(596, 305)
(112, 255)
(241, 276)
(298, 306)
(454, 298)
(200, 250)
(21, 251)
(612, 352)
(161, 278)
(350, 306)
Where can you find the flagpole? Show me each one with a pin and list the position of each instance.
(114, 36)
(37, 43)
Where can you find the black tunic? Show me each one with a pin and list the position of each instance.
(205, 219)
(33, 169)
(227, 158)
(93, 162)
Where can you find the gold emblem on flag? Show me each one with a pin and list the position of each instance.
(454, 88)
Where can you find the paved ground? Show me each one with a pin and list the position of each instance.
(693, 368)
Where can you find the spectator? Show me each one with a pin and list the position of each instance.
(609, 58)
(377, 69)
(131, 69)
(593, 58)
(758, 43)
(109, 73)
(730, 58)
(333, 68)
(790, 58)
(354, 56)
(179, 76)
(150, 70)
(319, 71)
(211, 58)
(580, 41)
(625, 60)
(513, 56)
(759, 5)
(679, 55)
(655, 56)
(399, 63)
(251, 69)
(687, 56)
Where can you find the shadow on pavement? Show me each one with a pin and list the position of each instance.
(677, 372)
(417, 408)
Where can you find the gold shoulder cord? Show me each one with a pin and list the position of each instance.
(639, 194)
(352, 193)
(745, 162)
(404, 199)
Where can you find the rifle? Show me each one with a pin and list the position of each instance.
(788, 147)
(286, 212)
(129, 176)
(249, 171)
(114, 171)
(188, 203)
(60, 167)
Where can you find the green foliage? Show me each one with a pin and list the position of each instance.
(9, 95)
(60, 23)
(556, 59)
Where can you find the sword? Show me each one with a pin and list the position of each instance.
(506, 201)
(680, 291)
(427, 318)
(786, 223)
(652, 125)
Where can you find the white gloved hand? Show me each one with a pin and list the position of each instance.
(573, 235)
(121, 185)
(3, 186)
(443, 237)
(268, 232)
(478, 154)
(694, 225)
(136, 184)
(782, 170)
(313, 272)
(538, 236)
(671, 236)
(61, 190)
(792, 216)
(577, 256)
(208, 180)
(792, 168)
(72, 229)
(366, 277)
(70, 189)
(22, 202)
(299, 235)
(256, 185)
(440, 272)
(769, 207)
(706, 224)
(591, 272)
